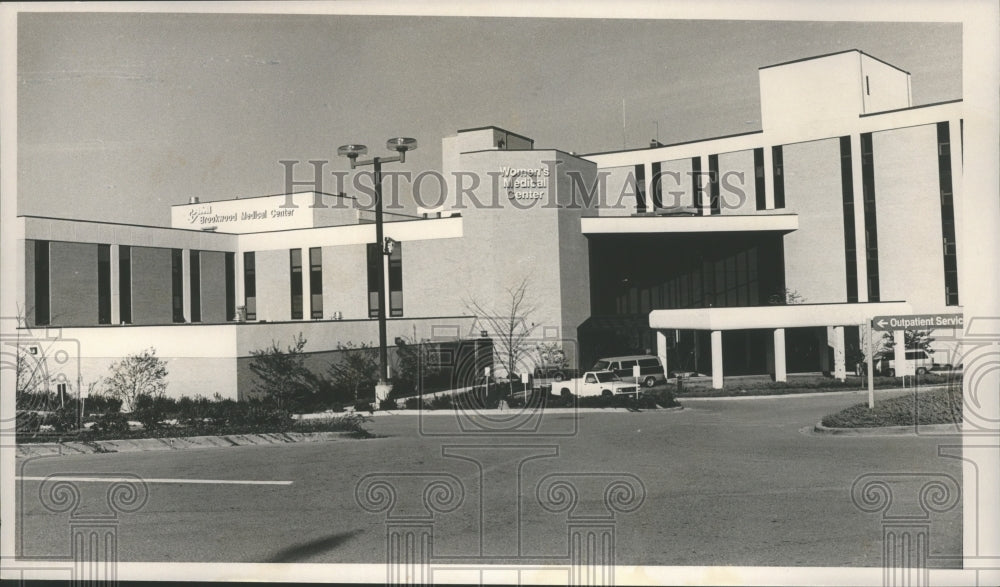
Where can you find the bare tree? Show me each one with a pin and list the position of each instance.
(509, 325)
(136, 375)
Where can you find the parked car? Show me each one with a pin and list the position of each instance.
(603, 383)
(919, 361)
(650, 368)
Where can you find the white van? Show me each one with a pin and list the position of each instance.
(650, 368)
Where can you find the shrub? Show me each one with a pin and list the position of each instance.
(363, 406)
(441, 402)
(283, 376)
(151, 411)
(387, 404)
(141, 374)
(102, 404)
(27, 422)
(112, 424)
(412, 403)
(63, 419)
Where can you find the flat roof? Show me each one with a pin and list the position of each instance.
(591, 225)
(783, 316)
(239, 199)
(491, 127)
(661, 146)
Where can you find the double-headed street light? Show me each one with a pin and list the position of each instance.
(401, 145)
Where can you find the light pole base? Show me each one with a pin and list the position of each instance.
(382, 390)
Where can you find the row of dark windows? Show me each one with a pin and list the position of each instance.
(714, 204)
(850, 241)
(871, 221)
(949, 244)
(395, 285)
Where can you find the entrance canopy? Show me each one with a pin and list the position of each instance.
(787, 316)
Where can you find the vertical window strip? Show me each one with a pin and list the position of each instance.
(699, 202)
(374, 268)
(195, 286)
(948, 237)
(778, 165)
(396, 280)
(42, 304)
(713, 178)
(871, 221)
(177, 283)
(295, 282)
(850, 235)
(230, 286)
(250, 285)
(759, 186)
(104, 284)
(125, 283)
(316, 283)
(640, 188)
(657, 185)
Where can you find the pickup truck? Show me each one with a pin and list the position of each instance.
(604, 383)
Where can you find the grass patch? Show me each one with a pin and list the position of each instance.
(806, 384)
(938, 406)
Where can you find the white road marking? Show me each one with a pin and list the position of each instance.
(135, 480)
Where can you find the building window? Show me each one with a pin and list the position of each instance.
(125, 284)
(850, 235)
(657, 186)
(640, 188)
(177, 283)
(295, 263)
(696, 184)
(195, 257)
(250, 285)
(104, 284)
(316, 282)
(871, 223)
(42, 283)
(230, 286)
(948, 240)
(713, 185)
(758, 177)
(778, 165)
(374, 271)
(396, 280)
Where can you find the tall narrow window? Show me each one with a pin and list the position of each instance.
(316, 282)
(104, 284)
(374, 269)
(657, 186)
(230, 287)
(713, 185)
(778, 164)
(396, 280)
(871, 224)
(42, 283)
(948, 240)
(195, 286)
(850, 236)
(696, 188)
(250, 285)
(295, 264)
(758, 177)
(640, 188)
(125, 283)
(177, 283)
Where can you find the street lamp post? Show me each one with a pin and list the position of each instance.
(401, 145)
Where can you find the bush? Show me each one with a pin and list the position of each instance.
(151, 411)
(387, 404)
(63, 419)
(441, 402)
(27, 422)
(363, 406)
(141, 374)
(412, 403)
(112, 423)
(102, 404)
(283, 377)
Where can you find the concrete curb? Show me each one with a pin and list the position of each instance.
(513, 411)
(180, 443)
(810, 394)
(929, 429)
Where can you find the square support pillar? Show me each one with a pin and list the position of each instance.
(823, 344)
(768, 178)
(661, 349)
(780, 373)
(717, 359)
(839, 354)
(186, 283)
(899, 353)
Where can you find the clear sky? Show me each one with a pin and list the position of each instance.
(122, 115)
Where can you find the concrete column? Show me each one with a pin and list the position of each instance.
(186, 283)
(899, 353)
(768, 178)
(839, 354)
(780, 374)
(306, 296)
(661, 350)
(717, 359)
(859, 217)
(115, 288)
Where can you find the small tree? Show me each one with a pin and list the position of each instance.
(136, 375)
(414, 364)
(509, 325)
(788, 297)
(356, 371)
(914, 339)
(283, 376)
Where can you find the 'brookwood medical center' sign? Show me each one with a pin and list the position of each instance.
(917, 321)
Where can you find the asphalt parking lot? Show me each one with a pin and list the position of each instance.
(725, 482)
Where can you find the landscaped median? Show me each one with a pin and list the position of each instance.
(939, 407)
(806, 383)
